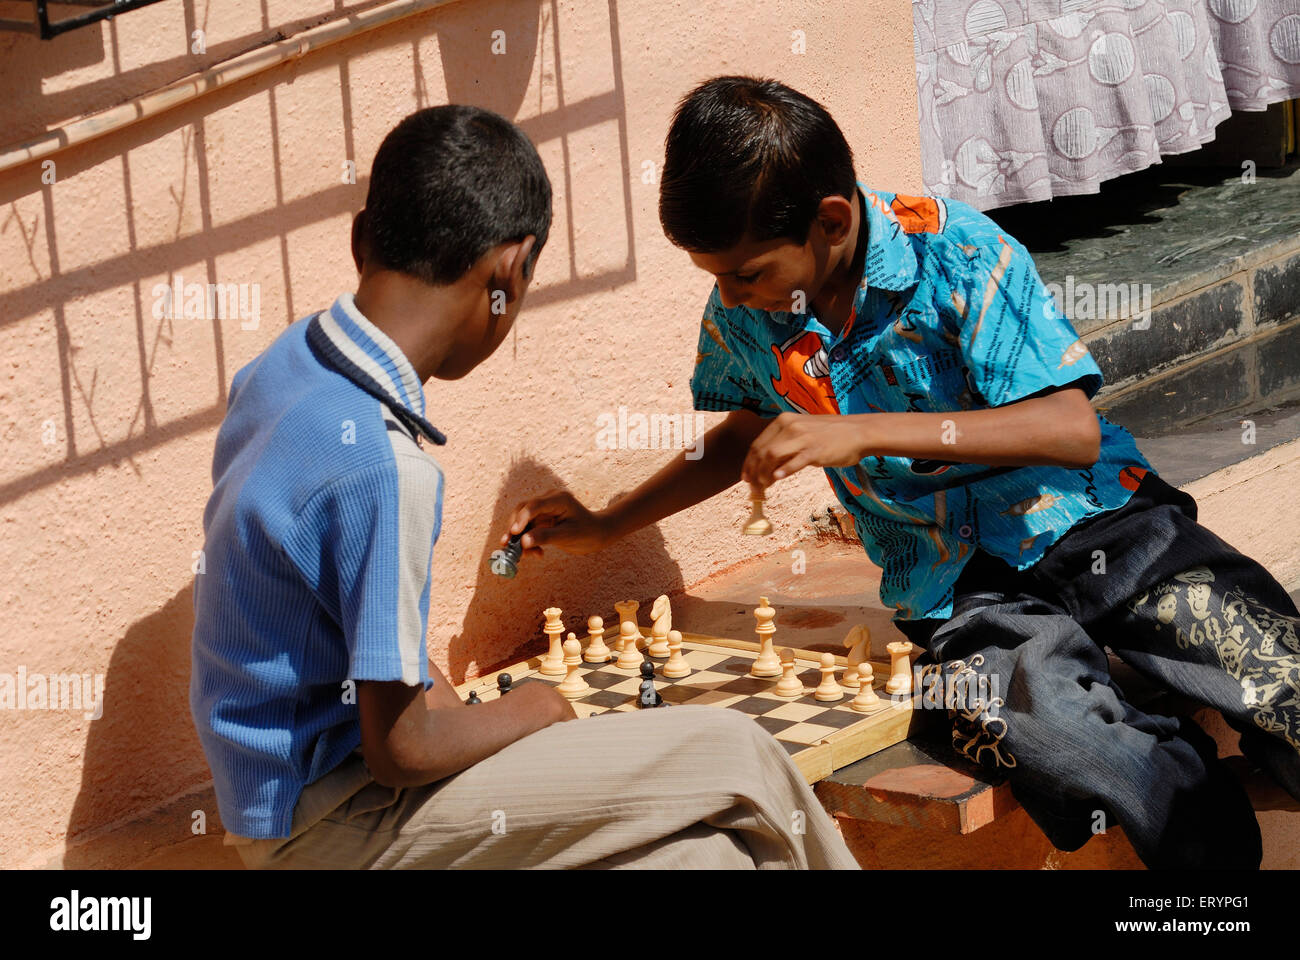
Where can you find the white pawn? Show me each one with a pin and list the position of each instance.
(676, 667)
(828, 691)
(596, 652)
(629, 657)
(789, 685)
(866, 700)
(572, 686)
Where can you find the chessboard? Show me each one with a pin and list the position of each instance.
(820, 737)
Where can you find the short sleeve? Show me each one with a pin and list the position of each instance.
(1014, 338)
(723, 379)
(379, 528)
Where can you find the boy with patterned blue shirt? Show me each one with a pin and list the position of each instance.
(907, 346)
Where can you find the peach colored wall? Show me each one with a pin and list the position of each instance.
(107, 414)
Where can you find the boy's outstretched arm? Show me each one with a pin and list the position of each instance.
(409, 738)
(1058, 428)
(558, 518)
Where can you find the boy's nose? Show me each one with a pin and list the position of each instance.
(727, 294)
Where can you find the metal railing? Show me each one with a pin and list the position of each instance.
(45, 26)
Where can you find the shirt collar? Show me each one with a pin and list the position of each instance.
(890, 262)
(353, 346)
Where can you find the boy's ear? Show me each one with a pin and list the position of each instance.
(509, 274)
(835, 215)
(358, 239)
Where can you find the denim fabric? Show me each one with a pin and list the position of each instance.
(1180, 606)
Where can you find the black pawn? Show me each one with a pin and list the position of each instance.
(648, 695)
(473, 698)
(505, 562)
(503, 684)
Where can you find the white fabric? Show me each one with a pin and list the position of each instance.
(1022, 100)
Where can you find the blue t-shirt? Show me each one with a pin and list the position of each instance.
(950, 315)
(318, 540)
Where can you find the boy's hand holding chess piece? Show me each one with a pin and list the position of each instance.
(558, 518)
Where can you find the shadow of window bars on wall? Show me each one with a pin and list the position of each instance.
(71, 14)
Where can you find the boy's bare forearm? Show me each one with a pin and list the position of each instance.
(682, 483)
(441, 694)
(1054, 430)
(407, 744)
(458, 739)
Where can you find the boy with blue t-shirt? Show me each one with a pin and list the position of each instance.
(907, 346)
(333, 741)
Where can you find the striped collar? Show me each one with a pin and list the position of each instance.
(347, 342)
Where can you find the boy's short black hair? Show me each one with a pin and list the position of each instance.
(447, 185)
(749, 158)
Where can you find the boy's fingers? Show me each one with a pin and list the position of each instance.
(548, 506)
(523, 513)
(755, 464)
(758, 449)
(749, 467)
(772, 459)
(792, 466)
(538, 536)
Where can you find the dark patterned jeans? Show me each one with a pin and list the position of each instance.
(1180, 606)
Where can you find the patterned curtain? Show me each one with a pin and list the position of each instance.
(1024, 100)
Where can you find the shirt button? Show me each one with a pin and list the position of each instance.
(964, 531)
(837, 353)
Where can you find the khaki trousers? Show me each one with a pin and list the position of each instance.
(677, 787)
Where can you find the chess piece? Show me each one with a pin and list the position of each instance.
(505, 562)
(676, 667)
(627, 614)
(789, 685)
(572, 686)
(767, 664)
(596, 651)
(867, 699)
(662, 615)
(473, 698)
(900, 668)
(629, 657)
(858, 643)
(552, 664)
(828, 691)
(648, 696)
(757, 525)
(504, 684)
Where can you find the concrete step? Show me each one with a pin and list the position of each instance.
(1185, 285)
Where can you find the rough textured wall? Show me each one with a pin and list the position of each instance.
(108, 411)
